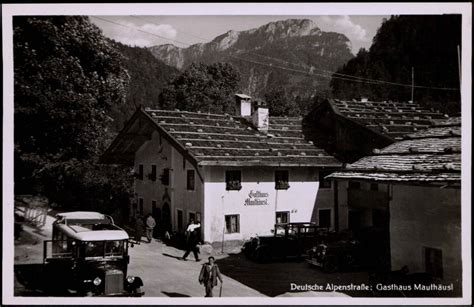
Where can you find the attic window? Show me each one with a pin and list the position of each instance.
(282, 180)
(233, 180)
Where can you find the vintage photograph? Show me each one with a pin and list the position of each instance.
(166, 155)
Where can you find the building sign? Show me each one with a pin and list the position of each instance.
(256, 198)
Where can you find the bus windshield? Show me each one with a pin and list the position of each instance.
(103, 248)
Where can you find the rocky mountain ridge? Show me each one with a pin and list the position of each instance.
(295, 44)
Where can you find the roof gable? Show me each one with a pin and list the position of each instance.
(220, 139)
(393, 119)
(430, 155)
(216, 139)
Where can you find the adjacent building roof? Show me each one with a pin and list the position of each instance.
(392, 119)
(221, 139)
(427, 156)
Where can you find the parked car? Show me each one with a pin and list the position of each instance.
(331, 257)
(344, 255)
(88, 255)
(289, 240)
(367, 247)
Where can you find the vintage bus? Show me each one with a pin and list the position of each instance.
(88, 255)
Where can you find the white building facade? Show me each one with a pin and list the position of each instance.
(237, 177)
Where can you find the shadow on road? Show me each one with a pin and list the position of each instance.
(275, 278)
(172, 256)
(28, 279)
(31, 280)
(175, 294)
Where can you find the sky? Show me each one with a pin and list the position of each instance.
(182, 31)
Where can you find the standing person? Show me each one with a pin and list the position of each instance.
(150, 224)
(192, 240)
(209, 275)
(139, 227)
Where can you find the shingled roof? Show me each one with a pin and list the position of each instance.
(393, 119)
(427, 156)
(222, 139)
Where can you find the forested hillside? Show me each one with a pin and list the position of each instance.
(69, 81)
(148, 76)
(426, 43)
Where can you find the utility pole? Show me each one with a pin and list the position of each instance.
(412, 83)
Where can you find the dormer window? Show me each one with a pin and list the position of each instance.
(282, 180)
(233, 180)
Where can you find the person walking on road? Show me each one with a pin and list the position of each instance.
(192, 240)
(150, 224)
(209, 275)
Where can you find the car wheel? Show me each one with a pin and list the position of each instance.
(137, 290)
(263, 255)
(330, 264)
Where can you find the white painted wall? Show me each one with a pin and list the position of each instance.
(164, 155)
(182, 198)
(152, 152)
(426, 217)
(301, 200)
(213, 201)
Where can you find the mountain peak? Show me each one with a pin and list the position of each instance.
(298, 41)
(290, 27)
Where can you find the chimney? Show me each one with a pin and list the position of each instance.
(260, 117)
(243, 105)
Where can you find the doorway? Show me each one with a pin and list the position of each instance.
(166, 217)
